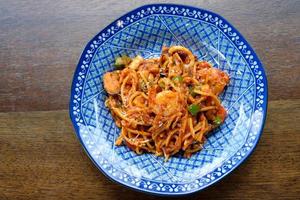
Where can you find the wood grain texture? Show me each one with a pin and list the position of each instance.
(41, 43)
(44, 160)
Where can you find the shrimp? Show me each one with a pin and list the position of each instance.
(167, 102)
(215, 78)
(218, 80)
(111, 82)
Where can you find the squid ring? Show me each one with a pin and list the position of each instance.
(188, 53)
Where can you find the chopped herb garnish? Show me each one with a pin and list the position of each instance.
(122, 61)
(178, 79)
(165, 64)
(118, 67)
(218, 120)
(118, 103)
(197, 87)
(194, 109)
(143, 86)
(162, 85)
(162, 75)
(191, 91)
(151, 83)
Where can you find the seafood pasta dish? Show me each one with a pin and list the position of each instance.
(165, 105)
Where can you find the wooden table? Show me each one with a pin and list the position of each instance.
(40, 43)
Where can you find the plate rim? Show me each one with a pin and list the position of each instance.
(128, 14)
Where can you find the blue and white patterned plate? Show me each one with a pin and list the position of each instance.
(144, 31)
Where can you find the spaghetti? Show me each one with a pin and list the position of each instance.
(165, 105)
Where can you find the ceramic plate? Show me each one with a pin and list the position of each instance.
(144, 31)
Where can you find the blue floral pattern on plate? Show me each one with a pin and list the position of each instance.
(144, 31)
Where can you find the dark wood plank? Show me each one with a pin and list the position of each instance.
(42, 41)
(42, 159)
